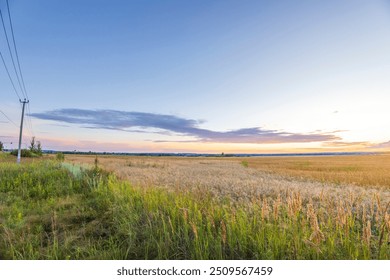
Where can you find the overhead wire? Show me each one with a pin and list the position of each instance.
(29, 120)
(27, 134)
(8, 118)
(9, 76)
(10, 52)
(19, 76)
(28, 115)
(16, 50)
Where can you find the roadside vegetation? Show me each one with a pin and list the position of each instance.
(51, 209)
(34, 150)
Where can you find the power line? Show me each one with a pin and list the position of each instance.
(29, 121)
(10, 52)
(19, 79)
(16, 50)
(9, 76)
(8, 118)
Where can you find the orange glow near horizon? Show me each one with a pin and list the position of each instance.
(201, 147)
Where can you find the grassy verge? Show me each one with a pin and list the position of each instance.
(46, 212)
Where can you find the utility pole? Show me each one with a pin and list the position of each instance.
(21, 130)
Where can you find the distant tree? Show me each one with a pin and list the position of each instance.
(32, 145)
(1, 146)
(39, 148)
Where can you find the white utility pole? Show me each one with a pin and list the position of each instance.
(21, 129)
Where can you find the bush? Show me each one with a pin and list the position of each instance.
(24, 153)
(60, 157)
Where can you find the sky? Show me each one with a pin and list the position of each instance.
(199, 76)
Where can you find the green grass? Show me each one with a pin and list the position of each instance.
(48, 211)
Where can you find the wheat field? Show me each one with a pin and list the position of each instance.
(346, 177)
(122, 207)
(343, 189)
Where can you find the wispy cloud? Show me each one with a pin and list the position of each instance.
(166, 124)
(384, 145)
(346, 144)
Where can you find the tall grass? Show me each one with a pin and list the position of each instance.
(48, 213)
(197, 228)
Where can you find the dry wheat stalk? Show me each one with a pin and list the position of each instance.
(194, 230)
(264, 209)
(223, 232)
(317, 236)
(294, 204)
(276, 207)
(367, 232)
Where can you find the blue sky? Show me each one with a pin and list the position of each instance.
(233, 76)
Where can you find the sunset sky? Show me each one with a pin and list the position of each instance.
(200, 76)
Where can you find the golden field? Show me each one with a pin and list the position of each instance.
(362, 174)
(197, 208)
(343, 200)
(360, 170)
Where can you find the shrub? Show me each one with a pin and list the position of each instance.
(24, 153)
(60, 157)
